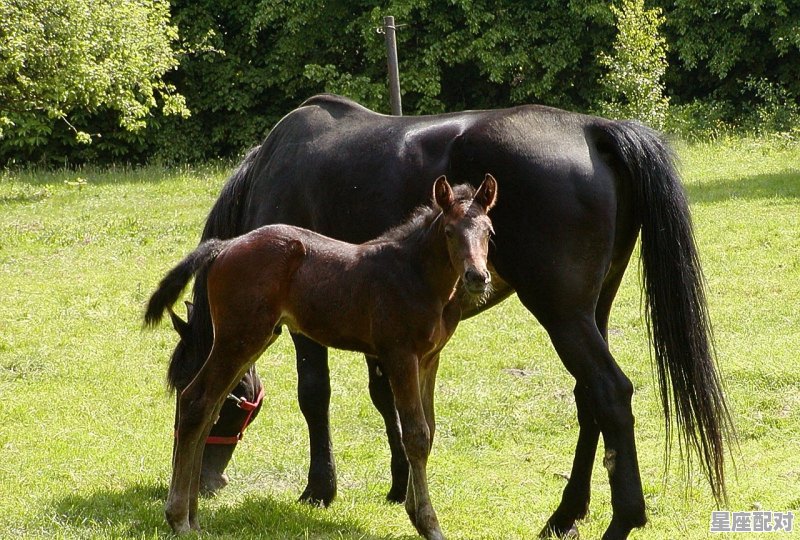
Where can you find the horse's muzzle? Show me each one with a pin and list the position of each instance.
(476, 282)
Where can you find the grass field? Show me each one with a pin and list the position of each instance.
(85, 418)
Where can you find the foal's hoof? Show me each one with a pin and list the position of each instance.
(178, 526)
(552, 530)
(433, 535)
(430, 533)
(211, 483)
(426, 523)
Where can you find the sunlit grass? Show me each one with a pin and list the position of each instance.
(85, 418)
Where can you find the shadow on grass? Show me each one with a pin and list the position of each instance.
(138, 511)
(784, 185)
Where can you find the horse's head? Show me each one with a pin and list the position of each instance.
(467, 228)
(185, 351)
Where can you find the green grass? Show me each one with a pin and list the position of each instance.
(85, 418)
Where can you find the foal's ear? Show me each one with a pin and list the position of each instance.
(443, 193)
(486, 195)
(180, 326)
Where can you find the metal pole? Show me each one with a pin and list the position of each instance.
(394, 72)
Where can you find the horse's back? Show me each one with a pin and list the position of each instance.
(338, 168)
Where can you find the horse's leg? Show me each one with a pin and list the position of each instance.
(575, 499)
(577, 493)
(314, 397)
(404, 378)
(607, 392)
(427, 385)
(198, 406)
(381, 393)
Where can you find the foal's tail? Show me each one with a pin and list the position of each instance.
(171, 286)
(676, 310)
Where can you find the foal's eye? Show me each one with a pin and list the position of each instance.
(448, 231)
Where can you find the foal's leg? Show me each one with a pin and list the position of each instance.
(190, 427)
(314, 397)
(238, 342)
(217, 456)
(404, 378)
(198, 406)
(381, 393)
(427, 385)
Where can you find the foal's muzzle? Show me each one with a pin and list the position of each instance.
(476, 282)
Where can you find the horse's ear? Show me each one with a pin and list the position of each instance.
(486, 195)
(189, 310)
(180, 326)
(443, 193)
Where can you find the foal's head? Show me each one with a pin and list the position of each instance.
(467, 228)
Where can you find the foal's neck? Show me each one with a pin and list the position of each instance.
(435, 260)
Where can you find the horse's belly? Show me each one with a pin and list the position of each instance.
(331, 332)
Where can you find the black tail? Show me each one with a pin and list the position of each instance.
(171, 286)
(223, 222)
(676, 310)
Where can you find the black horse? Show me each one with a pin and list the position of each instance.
(576, 192)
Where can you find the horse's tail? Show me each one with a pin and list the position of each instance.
(676, 312)
(171, 286)
(224, 221)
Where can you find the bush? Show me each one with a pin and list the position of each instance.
(266, 57)
(633, 84)
(63, 61)
(730, 51)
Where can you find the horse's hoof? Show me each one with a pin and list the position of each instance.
(210, 484)
(552, 530)
(619, 530)
(396, 495)
(315, 498)
(179, 526)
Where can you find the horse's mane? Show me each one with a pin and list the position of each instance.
(422, 217)
(223, 221)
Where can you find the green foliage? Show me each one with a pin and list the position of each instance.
(718, 48)
(65, 59)
(79, 79)
(775, 109)
(453, 55)
(633, 83)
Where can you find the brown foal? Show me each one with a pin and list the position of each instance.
(393, 299)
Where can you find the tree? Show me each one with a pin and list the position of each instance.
(633, 83)
(741, 55)
(263, 58)
(61, 60)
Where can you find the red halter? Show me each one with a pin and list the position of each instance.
(250, 407)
